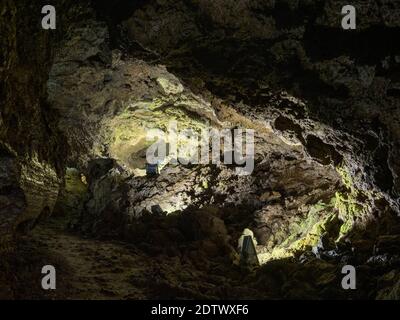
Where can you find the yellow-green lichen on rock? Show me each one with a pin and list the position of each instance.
(74, 193)
(170, 87)
(127, 132)
(75, 182)
(353, 204)
(305, 233)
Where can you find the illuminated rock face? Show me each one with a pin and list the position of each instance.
(325, 184)
(41, 186)
(349, 79)
(107, 108)
(107, 101)
(300, 46)
(31, 147)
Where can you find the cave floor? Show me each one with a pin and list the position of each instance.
(86, 268)
(89, 268)
(99, 269)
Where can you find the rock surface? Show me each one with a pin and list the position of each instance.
(76, 106)
(31, 147)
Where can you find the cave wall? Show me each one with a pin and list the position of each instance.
(350, 79)
(331, 155)
(290, 63)
(107, 101)
(343, 78)
(32, 149)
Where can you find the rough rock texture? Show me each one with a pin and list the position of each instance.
(31, 146)
(112, 105)
(323, 102)
(350, 79)
(12, 196)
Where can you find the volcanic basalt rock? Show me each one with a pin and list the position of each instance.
(302, 38)
(31, 146)
(77, 103)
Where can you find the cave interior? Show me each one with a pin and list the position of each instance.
(77, 192)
